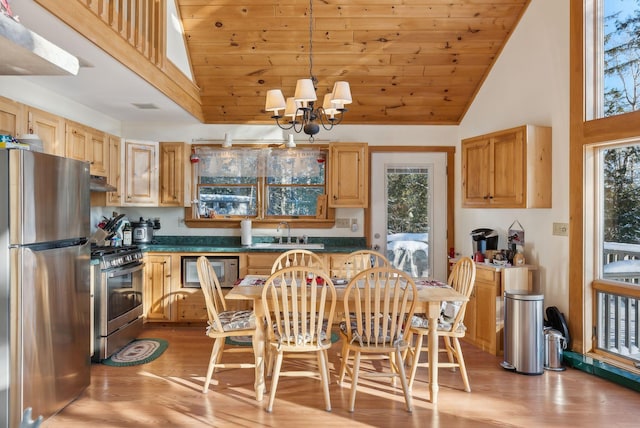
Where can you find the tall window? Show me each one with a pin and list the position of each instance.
(259, 183)
(614, 77)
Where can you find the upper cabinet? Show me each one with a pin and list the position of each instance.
(88, 144)
(141, 173)
(348, 175)
(50, 129)
(174, 181)
(507, 169)
(11, 117)
(114, 175)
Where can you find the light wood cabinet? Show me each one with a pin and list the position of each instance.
(76, 142)
(260, 263)
(141, 174)
(484, 317)
(98, 156)
(157, 288)
(348, 175)
(87, 144)
(507, 169)
(49, 127)
(174, 183)
(11, 117)
(114, 174)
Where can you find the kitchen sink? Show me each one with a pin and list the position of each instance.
(284, 246)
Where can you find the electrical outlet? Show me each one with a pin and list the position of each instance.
(561, 229)
(343, 223)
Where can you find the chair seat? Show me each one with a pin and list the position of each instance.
(299, 338)
(444, 323)
(356, 336)
(235, 320)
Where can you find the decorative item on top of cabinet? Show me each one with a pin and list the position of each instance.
(508, 169)
(141, 173)
(49, 127)
(348, 175)
(174, 175)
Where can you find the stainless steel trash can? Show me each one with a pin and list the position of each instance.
(554, 346)
(523, 332)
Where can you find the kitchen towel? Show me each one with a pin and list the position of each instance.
(245, 232)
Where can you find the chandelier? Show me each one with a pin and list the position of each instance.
(300, 111)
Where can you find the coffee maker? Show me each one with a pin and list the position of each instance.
(484, 239)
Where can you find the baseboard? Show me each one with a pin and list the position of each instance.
(601, 369)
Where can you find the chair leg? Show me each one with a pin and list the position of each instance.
(274, 381)
(216, 353)
(463, 367)
(403, 381)
(323, 367)
(344, 356)
(416, 357)
(355, 371)
(449, 349)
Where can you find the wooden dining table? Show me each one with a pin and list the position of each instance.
(431, 294)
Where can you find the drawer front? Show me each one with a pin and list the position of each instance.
(487, 275)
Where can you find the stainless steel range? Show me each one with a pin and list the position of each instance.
(117, 298)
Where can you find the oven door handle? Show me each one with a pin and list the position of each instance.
(125, 271)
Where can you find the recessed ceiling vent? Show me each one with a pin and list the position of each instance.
(25, 53)
(147, 106)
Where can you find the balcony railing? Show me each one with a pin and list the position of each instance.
(618, 314)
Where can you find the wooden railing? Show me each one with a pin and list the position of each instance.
(621, 262)
(617, 321)
(139, 22)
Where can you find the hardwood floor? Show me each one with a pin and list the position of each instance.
(167, 393)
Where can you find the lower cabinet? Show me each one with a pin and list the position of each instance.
(484, 317)
(157, 288)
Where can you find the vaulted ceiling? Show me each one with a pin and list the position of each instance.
(407, 61)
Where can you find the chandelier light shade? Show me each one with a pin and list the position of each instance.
(300, 111)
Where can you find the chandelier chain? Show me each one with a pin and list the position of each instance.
(313, 78)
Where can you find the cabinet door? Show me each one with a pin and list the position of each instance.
(475, 172)
(172, 170)
(11, 117)
(49, 127)
(76, 142)
(486, 315)
(141, 174)
(157, 288)
(507, 187)
(260, 264)
(348, 174)
(98, 150)
(113, 177)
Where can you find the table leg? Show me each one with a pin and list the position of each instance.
(433, 314)
(258, 350)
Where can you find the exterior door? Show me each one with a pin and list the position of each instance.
(409, 211)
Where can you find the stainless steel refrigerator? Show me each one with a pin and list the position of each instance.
(44, 283)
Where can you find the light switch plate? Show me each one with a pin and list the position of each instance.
(343, 223)
(561, 229)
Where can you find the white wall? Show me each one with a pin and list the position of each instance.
(529, 84)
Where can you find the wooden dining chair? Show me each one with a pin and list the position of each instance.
(358, 261)
(355, 262)
(299, 302)
(298, 257)
(379, 301)
(450, 326)
(222, 323)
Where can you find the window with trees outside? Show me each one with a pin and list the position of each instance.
(612, 30)
(260, 183)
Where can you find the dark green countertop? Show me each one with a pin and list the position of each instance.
(231, 244)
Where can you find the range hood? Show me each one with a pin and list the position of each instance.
(99, 183)
(25, 53)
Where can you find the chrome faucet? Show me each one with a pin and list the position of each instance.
(288, 232)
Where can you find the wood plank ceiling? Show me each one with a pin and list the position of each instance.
(407, 61)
